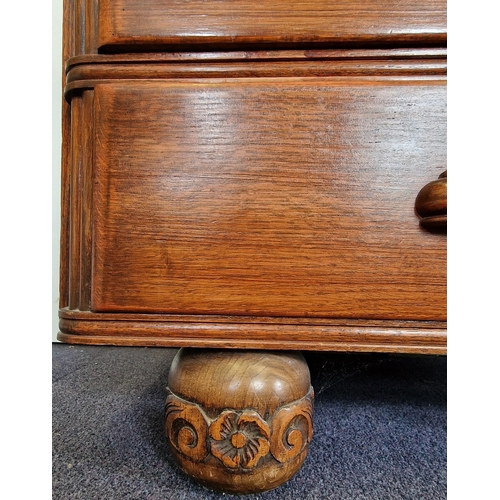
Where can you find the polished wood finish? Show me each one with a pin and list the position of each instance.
(242, 169)
(424, 337)
(239, 422)
(325, 220)
(367, 67)
(255, 178)
(126, 25)
(431, 204)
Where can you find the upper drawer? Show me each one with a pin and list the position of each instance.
(149, 25)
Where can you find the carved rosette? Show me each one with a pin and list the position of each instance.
(239, 439)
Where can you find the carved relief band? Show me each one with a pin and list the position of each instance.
(246, 447)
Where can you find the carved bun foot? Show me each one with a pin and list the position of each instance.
(239, 421)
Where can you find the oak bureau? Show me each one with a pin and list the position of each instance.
(247, 180)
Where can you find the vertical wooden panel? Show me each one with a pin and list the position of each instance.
(68, 44)
(65, 207)
(91, 26)
(86, 197)
(67, 52)
(75, 204)
(80, 216)
(79, 38)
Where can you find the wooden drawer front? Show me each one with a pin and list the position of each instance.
(275, 198)
(153, 25)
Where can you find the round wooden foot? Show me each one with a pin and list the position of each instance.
(239, 421)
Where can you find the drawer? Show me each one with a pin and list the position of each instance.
(155, 25)
(268, 197)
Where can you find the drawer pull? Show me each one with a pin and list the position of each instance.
(431, 204)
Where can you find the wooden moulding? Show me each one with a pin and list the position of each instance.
(80, 27)
(86, 71)
(252, 333)
(258, 55)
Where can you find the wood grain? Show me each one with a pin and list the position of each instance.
(431, 204)
(237, 69)
(254, 332)
(85, 187)
(75, 203)
(211, 318)
(388, 54)
(161, 25)
(79, 182)
(67, 53)
(249, 182)
(91, 22)
(290, 198)
(283, 334)
(211, 384)
(239, 422)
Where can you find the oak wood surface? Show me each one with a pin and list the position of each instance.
(189, 332)
(88, 315)
(242, 175)
(267, 380)
(236, 421)
(253, 332)
(276, 47)
(268, 198)
(86, 71)
(75, 203)
(67, 53)
(432, 204)
(131, 25)
(387, 54)
(238, 69)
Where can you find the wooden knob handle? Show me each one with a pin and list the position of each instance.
(431, 204)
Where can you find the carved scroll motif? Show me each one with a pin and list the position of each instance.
(186, 428)
(239, 439)
(292, 429)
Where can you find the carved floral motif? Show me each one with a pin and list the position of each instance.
(239, 439)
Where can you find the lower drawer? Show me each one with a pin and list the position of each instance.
(289, 198)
